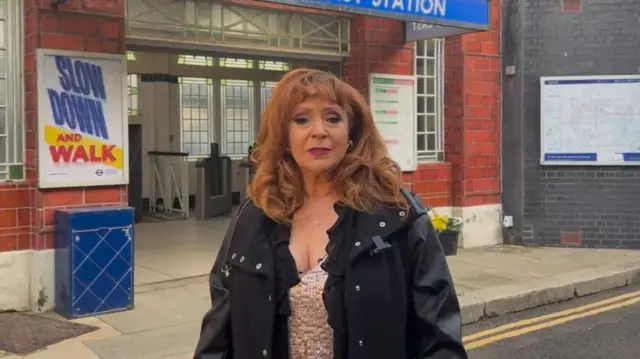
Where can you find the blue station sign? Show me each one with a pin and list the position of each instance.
(467, 14)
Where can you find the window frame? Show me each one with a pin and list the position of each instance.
(210, 129)
(12, 167)
(437, 154)
(218, 121)
(225, 120)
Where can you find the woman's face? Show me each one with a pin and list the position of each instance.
(318, 136)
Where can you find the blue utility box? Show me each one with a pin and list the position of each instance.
(93, 261)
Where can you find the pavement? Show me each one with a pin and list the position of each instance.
(498, 280)
(604, 325)
(491, 282)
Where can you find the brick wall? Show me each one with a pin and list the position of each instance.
(377, 46)
(15, 217)
(470, 175)
(472, 114)
(588, 206)
(26, 213)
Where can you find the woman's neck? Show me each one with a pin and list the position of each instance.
(319, 201)
(317, 188)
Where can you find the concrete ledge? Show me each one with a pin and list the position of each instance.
(633, 272)
(27, 282)
(472, 309)
(501, 300)
(599, 280)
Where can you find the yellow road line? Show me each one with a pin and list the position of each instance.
(533, 328)
(550, 316)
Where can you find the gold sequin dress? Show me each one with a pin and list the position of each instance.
(310, 335)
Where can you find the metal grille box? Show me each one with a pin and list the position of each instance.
(93, 261)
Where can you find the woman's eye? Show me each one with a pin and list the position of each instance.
(300, 120)
(334, 119)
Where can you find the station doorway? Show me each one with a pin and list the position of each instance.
(181, 104)
(201, 73)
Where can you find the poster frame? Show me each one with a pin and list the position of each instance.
(414, 118)
(43, 112)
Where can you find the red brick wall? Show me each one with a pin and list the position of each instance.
(470, 175)
(15, 217)
(472, 114)
(26, 213)
(377, 46)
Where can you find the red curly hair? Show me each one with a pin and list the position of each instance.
(365, 179)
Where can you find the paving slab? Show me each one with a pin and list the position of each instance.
(166, 307)
(152, 344)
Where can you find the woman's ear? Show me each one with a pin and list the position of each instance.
(355, 132)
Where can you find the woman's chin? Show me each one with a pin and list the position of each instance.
(317, 174)
(319, 168)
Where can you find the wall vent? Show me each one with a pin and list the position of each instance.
(571, 5)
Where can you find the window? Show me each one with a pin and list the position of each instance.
(132, 93)
(11, 92)
(429, 71)
(237, 103)
(266, 90)
(274, 65)
(236, 63)
(195, 60)
(237, 117)
(196, 113)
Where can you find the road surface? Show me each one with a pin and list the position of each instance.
(602, 326)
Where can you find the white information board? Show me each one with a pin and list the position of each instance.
(393, 104)
(590, 120)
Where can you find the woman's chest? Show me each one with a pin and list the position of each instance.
(308, 248)
(374, 279)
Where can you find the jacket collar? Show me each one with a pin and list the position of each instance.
(388, 220)
(372, 230)
(384, 222)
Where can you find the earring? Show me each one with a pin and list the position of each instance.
(349, 144)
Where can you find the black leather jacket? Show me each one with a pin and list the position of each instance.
(389, 294)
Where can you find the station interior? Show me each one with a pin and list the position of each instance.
(194, 111)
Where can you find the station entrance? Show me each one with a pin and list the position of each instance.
(199, 76)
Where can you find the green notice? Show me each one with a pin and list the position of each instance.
(381, 81)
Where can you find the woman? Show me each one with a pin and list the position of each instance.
(330, 258)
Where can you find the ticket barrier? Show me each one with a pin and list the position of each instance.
(213, 185)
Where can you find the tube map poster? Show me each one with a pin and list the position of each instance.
(82, 119)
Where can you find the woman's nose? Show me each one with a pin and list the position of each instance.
(319, 129)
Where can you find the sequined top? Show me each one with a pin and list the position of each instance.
(309, 334)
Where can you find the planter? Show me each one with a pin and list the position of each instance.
(449, 242)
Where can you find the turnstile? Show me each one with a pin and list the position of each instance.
(213, 185)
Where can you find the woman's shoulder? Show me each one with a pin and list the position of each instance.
(391, 218)
(414, 202)
(249, 210)
(413, 209)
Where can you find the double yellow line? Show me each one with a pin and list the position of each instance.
(522, 327)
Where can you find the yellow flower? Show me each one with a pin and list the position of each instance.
(439, 222)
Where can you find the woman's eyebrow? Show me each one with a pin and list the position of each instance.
(300, 111)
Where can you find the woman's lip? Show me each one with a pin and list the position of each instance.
(318, 150)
